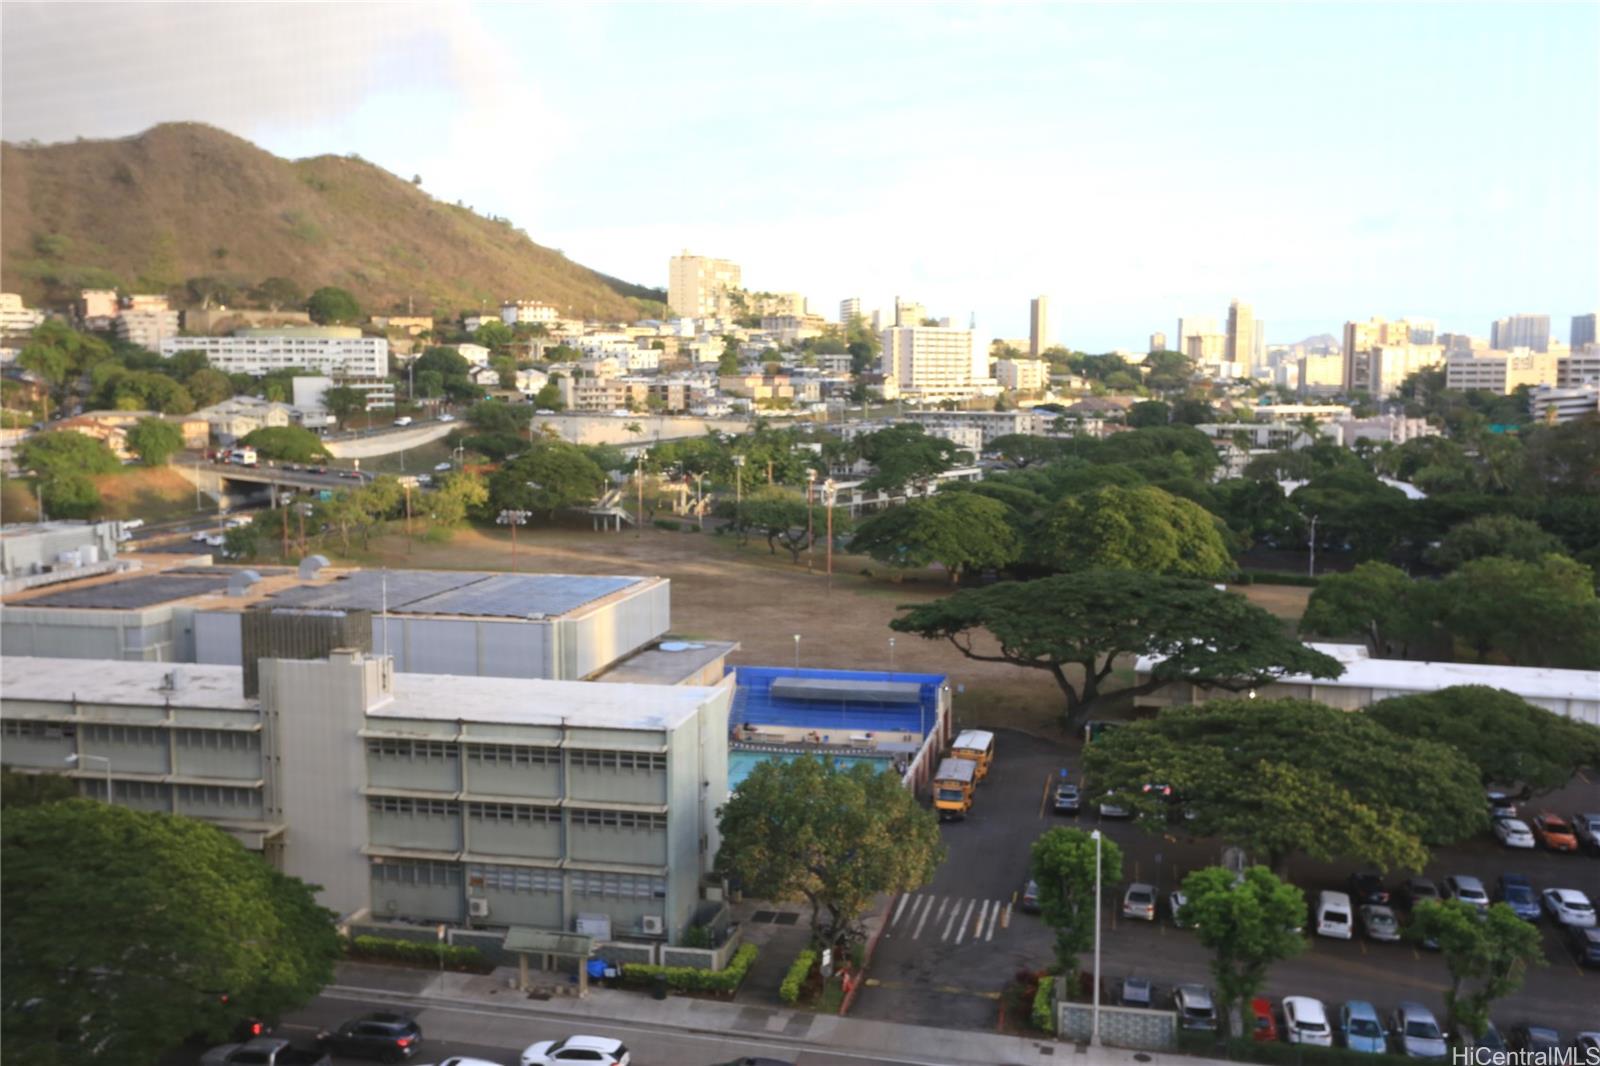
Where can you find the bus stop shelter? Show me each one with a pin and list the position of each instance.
(525, 941)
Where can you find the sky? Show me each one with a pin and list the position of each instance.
(1132, 162)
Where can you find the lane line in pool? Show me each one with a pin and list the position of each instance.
(901, 907)
(927, 910)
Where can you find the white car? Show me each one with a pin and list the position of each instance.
(200, 537)
(1569, 907)
(1306, 1022)
(1176, 901)
(447, 418)
(441, 467)
(1140, 902)
(403, 420)
(462, 1060)
(594, 1050)
(1513, 832)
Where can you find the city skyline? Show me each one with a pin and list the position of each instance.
(1099, 172)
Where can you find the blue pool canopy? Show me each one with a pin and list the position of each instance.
(839, 702)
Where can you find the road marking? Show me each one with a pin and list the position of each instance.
(1363, 944)
(961, 930)
(951, 924)
(983, 915)
(953, 990)
(943, 904)
(897, 910)
(926, 910)
(1005, 919)
(992, 919)
(1044, 796)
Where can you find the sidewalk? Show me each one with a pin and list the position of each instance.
(886, 1041)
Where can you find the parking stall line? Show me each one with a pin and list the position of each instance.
(992, 919)
(961, 929)
(983, 916)
(899, 910)
(926, 910)
(1005, 919)
(943, 905)
(950, 925)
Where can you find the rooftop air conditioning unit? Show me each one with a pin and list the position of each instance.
(652, 924)
(478, 908)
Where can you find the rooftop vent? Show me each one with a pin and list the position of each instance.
(310, 565)
(176, 680)
(242, 582)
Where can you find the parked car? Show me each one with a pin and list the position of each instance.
(1379, 922)
(1139, 902)
(1585, 944)
(1368, 888)
(1136, 991)
(1306, 1022)
(440, 468)
(264, 1051)
(1361, 1029)
(1333, 915)
(383, 1035)
(447, 417)
(1111, 809)
(1513, 833)
(1416, 890)
(1417, 1033)
(1030, 897)
(596, 1050)
(1516, 892)
(1263, 1024)
(1535, 1038)
(1176, 901)
(1569, 907)
(1067, 800)
(402, 421)
(1588, 1045)
(462, 1060)
(1500, 804)
(1194, 1006)
(1554, 832)
(1465, 888)
(1585, 826)
(1491, 1039)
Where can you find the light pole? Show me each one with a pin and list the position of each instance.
(891, 658)
(811, 537)
(829, 492)
(1312, 571)
(797, 651)
(74, 759)
(738, 494)
(1094, 1025)
(513, 519)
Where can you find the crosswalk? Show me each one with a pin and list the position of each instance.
(948, 919)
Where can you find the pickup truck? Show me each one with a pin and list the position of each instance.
(264, 1051)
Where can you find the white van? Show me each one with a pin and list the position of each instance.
(1334, 916)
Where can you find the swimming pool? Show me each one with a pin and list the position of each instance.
(740, 763)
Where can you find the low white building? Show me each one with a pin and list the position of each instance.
(14, 317)
(527, 312)
(1022, 375)
(474, 354)
(150, 328)
(240, 416)
(1550, 403)
(333, 350)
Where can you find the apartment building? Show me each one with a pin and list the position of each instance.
(1320, 375)
(988, 425)
(1578, 368)
(1241, 343)
(909, 312)
(1038, 325)
(337, 351)
(528, 312)
(411, 325)
(239, 416)
(1556, 404)
(14, 317)
(1520, 331)
(699, 286)
(1582, 331)
(1500, 372)
(1158, 341)
(428, 798)
(97, 307)
(1379, 369)
(309, 389)
(1022, 375)
(935, 362)
(849, 310)
(149, 327)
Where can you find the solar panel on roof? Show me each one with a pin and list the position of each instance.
(133, 593)
(464, 593)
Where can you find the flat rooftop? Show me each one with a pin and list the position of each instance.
(668, 662)
(117, 683)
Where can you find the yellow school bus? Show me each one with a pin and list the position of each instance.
(952, 787)
(976, 745)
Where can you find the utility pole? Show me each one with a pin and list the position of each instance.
(1312, 571)
(513, 519)
(829, 489)
(738, 494)
(407, 487)
(638, 513)
(811, 537)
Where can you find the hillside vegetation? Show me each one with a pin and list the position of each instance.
(184, 200)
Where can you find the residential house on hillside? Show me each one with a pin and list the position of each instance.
(242, 415)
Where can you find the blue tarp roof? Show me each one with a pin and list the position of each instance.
(853, 712)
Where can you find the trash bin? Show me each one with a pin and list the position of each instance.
(658, 987)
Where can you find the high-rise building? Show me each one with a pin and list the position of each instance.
(1361, 338)
(935, 362)
(849, 309)
(1241, 333)
(1521, 331)
(1038, 326)
(1583, 331)
(1260, 350)
(1422, 330)
(1206, 347)
(908, 312)
(1194, 326)
(1158, 341)
(698, 286)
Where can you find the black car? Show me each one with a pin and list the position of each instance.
(1534, 1038)
(1585, 945)
(1368, 888)
(1417, 890)
(381, 1035)
(1067, 799)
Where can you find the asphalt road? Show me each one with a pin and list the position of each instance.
(935, 969)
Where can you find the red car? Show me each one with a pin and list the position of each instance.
(1266, 1026)
(1554, 833)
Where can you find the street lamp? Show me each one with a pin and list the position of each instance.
(74, 759)
(811, 537)
(891, 658)
(738, 494)
(513, 519)
(830, 492)
(797, 651)
(1094, 1027)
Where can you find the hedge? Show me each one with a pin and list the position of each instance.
(1279, 1053)
(691, 979)
(799, 970)
(668, 524)
(1275, 577)
(1044, 1005)
(417, 951)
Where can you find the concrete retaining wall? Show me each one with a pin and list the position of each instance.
(704, 958)
(1127, 1027)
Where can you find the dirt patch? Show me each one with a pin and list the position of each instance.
(1288, 602)
(154, 494)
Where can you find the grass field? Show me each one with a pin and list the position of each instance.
(724, 592)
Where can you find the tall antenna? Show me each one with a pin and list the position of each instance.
(384, 616)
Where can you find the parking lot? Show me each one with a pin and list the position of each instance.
(951, 947)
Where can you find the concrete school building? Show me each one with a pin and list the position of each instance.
(483, 802)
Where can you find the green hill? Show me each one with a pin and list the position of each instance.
(183, 201)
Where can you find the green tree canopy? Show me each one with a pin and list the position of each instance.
(70, 496)
(331, 305)
(1509, 740)
(905, 455)
(1284, 777)
(1089, 619)
(802, 829)
(1487, 956)
(64, 452)
(495, 336)
(960, 531)
(145, 390)
(1248, 923)
(1390, 612)
(291, 444)
(1062, 863)
(276, 293)
(1354, 510)
(1021, 450)
(1138, 528)
(457, 499)
(1148, 413)
(548, 398)
(207, 387)
(439, 370)
(550, 476)
(495, 416)
(1542, 613)
(182, 914)
(1495, 534)
(342, 401)
(781, 515)
(155, 440)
